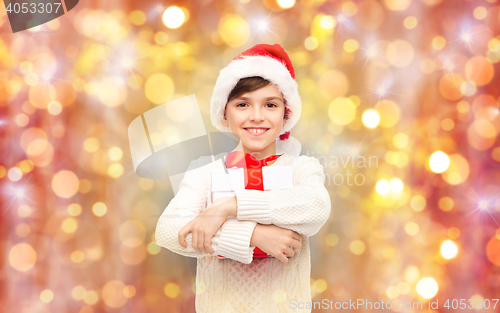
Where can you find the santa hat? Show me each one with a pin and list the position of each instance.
(269, 62)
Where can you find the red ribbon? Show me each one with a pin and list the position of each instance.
(253, 177)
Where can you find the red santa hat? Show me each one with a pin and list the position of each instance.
(269, 62)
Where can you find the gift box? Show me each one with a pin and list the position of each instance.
(224, 185)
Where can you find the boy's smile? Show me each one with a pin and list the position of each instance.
(257, 117)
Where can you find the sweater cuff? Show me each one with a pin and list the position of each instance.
(234, 241)
(253, 205)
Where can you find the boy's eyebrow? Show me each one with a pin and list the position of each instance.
(268, 98)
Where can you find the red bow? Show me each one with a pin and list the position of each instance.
(253, 177)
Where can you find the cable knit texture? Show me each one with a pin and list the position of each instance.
(241, 283)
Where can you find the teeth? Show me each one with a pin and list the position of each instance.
(257, 131)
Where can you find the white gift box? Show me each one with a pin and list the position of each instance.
(224, 185)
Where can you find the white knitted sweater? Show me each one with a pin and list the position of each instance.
(241, 283)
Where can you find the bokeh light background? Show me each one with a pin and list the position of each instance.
(412, 83)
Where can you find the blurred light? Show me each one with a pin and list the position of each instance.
(19, 192)
(91, 297)
(69, 225)
(112, 294)
(383, 187)
(439, 162)
(262, 25)
(311, 43)
(23, 230)
(449, 249)
(327, 22)
(495, 154)
(412, 228)
(400, 140)
(137, 17)
(397, 5)
(371, 118)
(494, 45)
(22, 257)
(320, 285)
(412, 274)
(26, 166)
(392, 292)
(54, 108)
(99, 209)
(381, 90)
(480, 13)
(115, 170)
(153, 248)
(91, 144)
(15, 174)
(418, 203)
(173, 17)
(233, 30)
(446, 204)
(77, 256)
(483, 205)
(465, 36)
(438, 42)
(447, 124)
(171, 290)
(410, 22)
(159, 88)
(286, 4)
(161, 38)
(357, 247)
(129, 291)
(332, 239)
(341, 18)
(78, 292)
(349, 8)
(23, 210)
(453, 232)
(397, 185)
(351, 45)
(22, 120)
(74, 209)
(427, 287)
(342, 111)
(404, 288)
(46, 296)
(65, 184)
(115, 153)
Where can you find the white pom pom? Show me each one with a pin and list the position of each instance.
(290, 146)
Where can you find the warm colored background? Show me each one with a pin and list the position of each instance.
(77, 223)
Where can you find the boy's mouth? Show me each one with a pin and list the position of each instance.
(256, 131)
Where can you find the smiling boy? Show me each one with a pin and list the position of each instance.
(256, 98)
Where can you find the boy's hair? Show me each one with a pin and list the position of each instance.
(249, 84)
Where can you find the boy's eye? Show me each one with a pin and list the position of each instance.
(243, 104)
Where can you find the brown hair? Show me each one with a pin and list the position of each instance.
(249, 84)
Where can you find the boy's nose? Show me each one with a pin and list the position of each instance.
(256, 115)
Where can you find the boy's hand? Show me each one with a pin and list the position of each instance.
(205, 225)
(276, 241)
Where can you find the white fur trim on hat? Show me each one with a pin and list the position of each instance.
(266, 67)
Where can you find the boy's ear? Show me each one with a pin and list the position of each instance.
(224, 120)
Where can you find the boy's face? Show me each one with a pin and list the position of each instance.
(263, 110)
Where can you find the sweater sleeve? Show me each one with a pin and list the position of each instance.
(305, 208)
(232, 240)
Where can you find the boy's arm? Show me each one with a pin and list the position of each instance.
(232, 240)
(305, 208)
